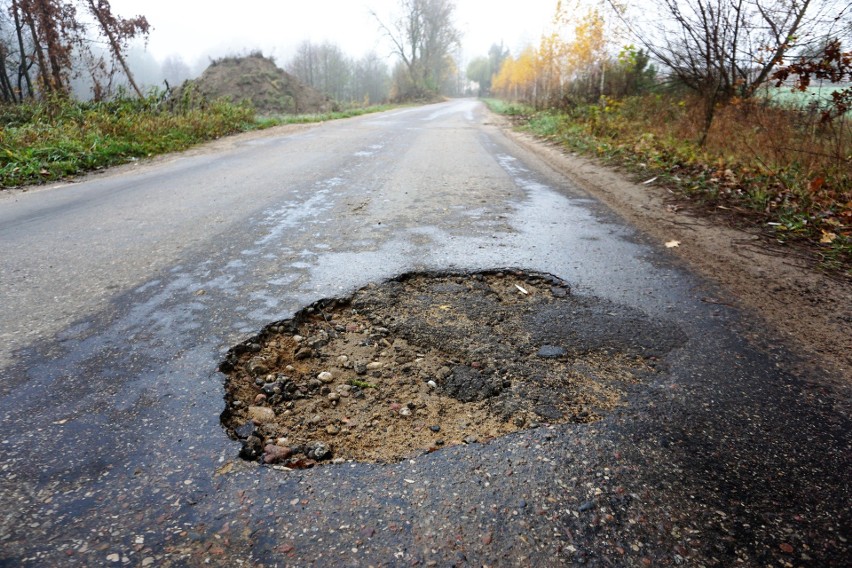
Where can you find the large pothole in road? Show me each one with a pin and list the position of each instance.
(430, 360)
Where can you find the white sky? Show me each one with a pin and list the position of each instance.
(196, 29)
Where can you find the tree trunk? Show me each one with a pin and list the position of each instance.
(23, 68)
(115, 48)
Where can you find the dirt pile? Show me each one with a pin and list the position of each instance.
(257, 80)
(425, 361)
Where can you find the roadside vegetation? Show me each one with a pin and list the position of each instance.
(698, 122)
(48, 141)
(55, 53)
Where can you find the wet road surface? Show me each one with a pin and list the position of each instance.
(120, 295)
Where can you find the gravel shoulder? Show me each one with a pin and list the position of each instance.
(793, 303)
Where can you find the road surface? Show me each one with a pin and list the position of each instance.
(122, 293)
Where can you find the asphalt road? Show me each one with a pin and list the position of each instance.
(120, 295)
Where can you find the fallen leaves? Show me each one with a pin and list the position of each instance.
(827, 237)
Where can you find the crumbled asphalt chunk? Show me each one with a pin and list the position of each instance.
(374, 376)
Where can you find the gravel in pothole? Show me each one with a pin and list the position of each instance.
(430, 360)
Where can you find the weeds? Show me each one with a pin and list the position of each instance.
(42, 142)
(776, 169)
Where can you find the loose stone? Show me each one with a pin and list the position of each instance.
(261, 414)
(326, 377)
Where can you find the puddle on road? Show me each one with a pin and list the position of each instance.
(430, 360)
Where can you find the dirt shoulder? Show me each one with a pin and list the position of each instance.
(797, 305)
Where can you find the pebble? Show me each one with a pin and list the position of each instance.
(320, 451)
(333, 396)
(435, 428)
(432, 384)
(551, 352)
(261, 414)
(276, 454)
(331, 429)
(405, 411)
(326, 377)
(470, 440)
(374, 365)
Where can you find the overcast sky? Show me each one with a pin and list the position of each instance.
(196, 29)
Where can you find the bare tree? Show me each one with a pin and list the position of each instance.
(723, 49)
(371, 80)
(423, 36)
(118, 32)
(324, 67)
(51, 42)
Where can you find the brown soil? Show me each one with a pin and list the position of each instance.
(257, 80)
(792, 301)
(425, 361)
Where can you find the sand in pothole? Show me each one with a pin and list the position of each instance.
(426, 361)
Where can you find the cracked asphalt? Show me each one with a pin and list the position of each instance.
(121, 294)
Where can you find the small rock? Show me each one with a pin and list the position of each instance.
(435, 428)
(259, 398)
(470, 440)
(304, 353)
(586, 506)
(332, 429)
(333, 396)
(298, 338)
(405, 411)
(237, 404)
(261, 414)
(326, 377)
(374, 365)
(319, 451)
(257, 366)
(246, 430)
(148, 561)
(113, 558)
(360, 368)
(551, 352)
(252, 448)
(432, 384)
(276, 454)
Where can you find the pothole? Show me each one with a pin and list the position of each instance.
(431, 360)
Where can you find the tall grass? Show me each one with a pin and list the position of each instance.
(51, 140)
(778, 169)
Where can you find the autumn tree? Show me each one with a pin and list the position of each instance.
(423, 36)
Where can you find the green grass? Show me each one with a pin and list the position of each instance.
(42, 142)
(269, 121)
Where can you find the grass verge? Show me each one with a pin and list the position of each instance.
(42, 142)
(773, 169)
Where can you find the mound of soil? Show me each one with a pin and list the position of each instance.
(429, 360)
(257, 80)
